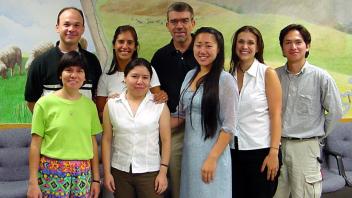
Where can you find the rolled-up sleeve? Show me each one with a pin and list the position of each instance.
(181, 108)
(331, 102)
(154, 82)
(228, 100)
(102, 89)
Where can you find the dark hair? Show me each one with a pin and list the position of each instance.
(69, 59)
(138, 62)
(69, 8)
(179, 7)
(260, 46)
(210, 99)
(301, 29)
(119, 30)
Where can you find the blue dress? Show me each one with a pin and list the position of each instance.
(196, 150)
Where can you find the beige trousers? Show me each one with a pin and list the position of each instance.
(300, 174)
(174, 171)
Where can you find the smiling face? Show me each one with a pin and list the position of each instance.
(73, 77)
(125, 46)
(180, 26)
(294, 47)
(205, 49)
(138, 80)
(70, 27)
(246, 46)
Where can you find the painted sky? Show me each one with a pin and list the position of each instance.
(26, 23)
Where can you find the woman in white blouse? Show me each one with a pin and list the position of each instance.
(125, 47)
(132, 124)
(255, 153)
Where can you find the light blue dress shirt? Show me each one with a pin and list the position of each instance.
(311, 102)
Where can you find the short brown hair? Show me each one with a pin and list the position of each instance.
(69, 8)
(179, 7)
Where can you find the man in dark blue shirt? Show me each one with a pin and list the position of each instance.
(42, 74)
(172, 62)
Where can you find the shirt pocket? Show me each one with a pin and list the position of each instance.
(304, 105)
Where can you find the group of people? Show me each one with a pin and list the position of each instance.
(180, 125)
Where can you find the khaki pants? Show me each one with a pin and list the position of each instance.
(174, 172)
(300, 174)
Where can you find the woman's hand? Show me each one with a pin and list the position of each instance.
(109, 182)
(271, 162)
(160, 183)
(208, 169)
(94, 190)
(34, 191)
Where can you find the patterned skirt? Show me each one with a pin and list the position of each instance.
(64, 178)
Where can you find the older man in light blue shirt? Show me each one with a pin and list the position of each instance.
(311, 106)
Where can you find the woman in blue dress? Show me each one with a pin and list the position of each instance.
(207, 105)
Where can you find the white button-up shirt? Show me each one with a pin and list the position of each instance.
(135, 137)
(253, 124)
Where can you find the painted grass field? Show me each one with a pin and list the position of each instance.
(331, 49)
(13, 108)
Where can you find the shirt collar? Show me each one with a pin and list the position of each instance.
(172, 50)
(148, 96)
(57, 47)
(252, 71)
(302, 71)
(253, 68)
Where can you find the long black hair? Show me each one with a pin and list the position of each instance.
(260, 46)
(210, 100)
(114, 67)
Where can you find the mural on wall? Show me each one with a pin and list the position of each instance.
(28, 33)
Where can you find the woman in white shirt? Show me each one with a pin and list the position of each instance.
(255, 151)
(132, 125)
(125, 46)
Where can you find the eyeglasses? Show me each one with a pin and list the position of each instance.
(184, 21)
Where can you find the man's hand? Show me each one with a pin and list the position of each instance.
(160, 97)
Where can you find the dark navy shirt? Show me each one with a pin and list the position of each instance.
(172, 66)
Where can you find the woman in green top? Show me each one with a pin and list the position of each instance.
(63, 159)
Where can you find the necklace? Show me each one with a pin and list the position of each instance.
(243, 71)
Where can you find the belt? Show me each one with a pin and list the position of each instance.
(300, 139)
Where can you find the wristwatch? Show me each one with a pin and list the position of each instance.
(97, 181)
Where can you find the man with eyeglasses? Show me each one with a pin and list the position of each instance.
(172, 62)
(42, 75)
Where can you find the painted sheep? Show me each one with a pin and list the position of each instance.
(37, 51)
(8, 59)
(43, 47)
(83, 42)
